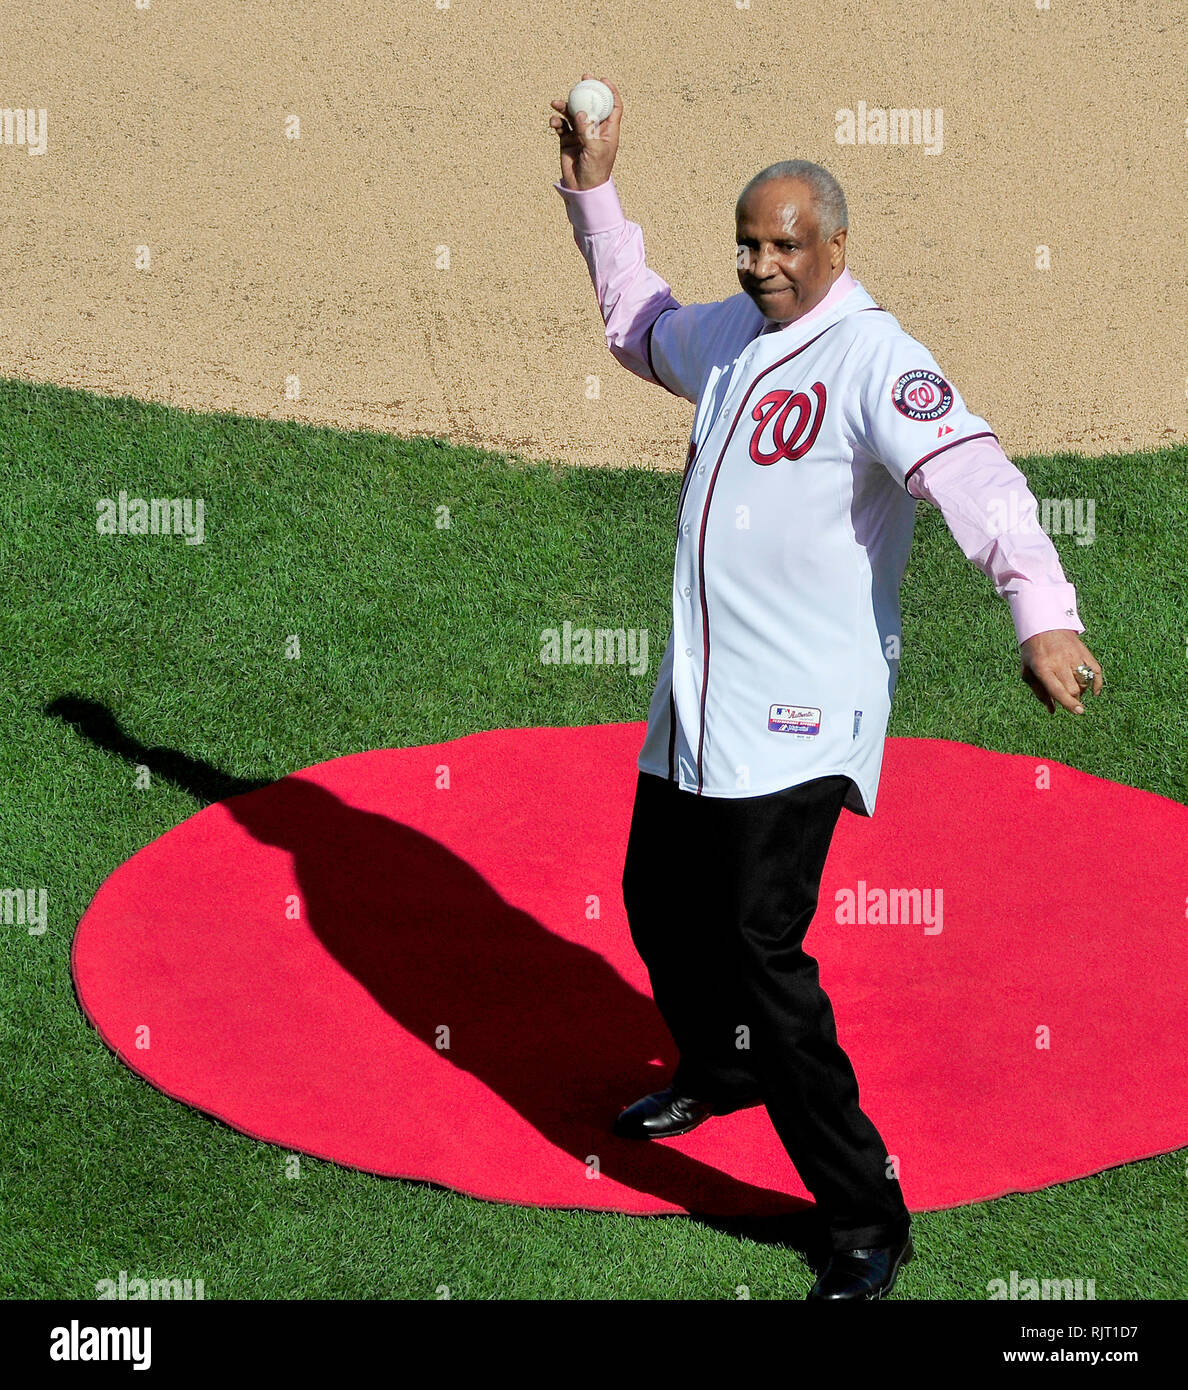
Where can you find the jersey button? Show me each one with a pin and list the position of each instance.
(686, 591)
(685, 529)
(701, 468)
(688, 651)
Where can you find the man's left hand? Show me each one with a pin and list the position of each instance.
(1048, 664)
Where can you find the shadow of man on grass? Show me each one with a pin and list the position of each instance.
(546, 1024)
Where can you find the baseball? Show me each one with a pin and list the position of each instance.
(594, 98)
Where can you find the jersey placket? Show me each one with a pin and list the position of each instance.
(691, 640)
(687, 638)
(688, 594)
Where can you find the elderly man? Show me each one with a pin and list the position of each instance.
(819, 424)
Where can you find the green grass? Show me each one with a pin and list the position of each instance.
(413, 634)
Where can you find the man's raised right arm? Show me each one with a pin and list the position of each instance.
(647, 330)
(631, 296)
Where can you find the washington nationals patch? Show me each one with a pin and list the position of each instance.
(922, 395)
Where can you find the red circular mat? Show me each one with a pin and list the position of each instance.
(416, 962)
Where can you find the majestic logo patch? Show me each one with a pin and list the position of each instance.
(794, 719)
(922, 395)
(789, 442)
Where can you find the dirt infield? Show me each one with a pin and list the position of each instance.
(322, 258)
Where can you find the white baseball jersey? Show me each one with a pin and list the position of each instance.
(793, 531)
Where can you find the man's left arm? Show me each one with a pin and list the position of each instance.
(993, 516)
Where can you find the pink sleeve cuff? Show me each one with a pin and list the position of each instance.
(593, 210)
(1043, 607)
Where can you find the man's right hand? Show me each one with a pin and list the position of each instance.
(587, 152)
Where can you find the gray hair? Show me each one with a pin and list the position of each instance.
(829, 202)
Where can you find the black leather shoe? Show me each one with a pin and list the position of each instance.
(665, 1113)
(869, 1273)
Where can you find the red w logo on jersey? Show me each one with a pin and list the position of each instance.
(790, 441)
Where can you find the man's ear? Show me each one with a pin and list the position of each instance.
(837, 248)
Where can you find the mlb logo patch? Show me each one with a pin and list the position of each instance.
(798, 720)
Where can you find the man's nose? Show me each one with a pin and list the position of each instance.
(762, 264)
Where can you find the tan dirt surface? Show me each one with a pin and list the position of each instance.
(425, 127)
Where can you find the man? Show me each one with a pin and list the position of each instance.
(819, 424)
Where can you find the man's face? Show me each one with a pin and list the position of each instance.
(782, 262)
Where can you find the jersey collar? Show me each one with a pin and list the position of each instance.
(846, 296)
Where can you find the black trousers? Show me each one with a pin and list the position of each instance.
(719, 895)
